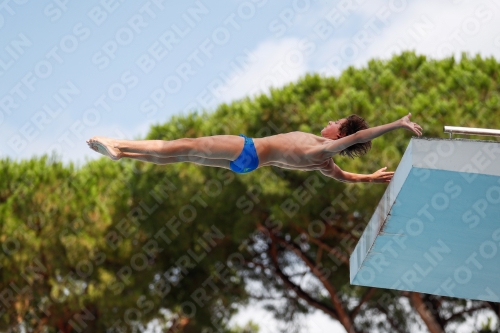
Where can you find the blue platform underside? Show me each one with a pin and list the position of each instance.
(442, 236)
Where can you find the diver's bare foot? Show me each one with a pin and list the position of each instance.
(105, 146)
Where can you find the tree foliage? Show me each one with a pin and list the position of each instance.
(112, 246)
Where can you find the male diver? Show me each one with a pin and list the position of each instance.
(295, 150)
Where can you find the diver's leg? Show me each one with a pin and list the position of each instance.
(220, 163)
(226, 147)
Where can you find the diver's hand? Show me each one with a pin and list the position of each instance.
(406, 123)
(381, 176)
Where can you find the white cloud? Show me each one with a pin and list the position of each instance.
(436, 29)
(316, 322)
(272, 64)
(441, 29)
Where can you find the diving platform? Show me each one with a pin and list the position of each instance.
(436, 229)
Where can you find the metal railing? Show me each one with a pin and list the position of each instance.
(471, 131)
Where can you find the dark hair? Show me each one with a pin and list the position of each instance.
(353, 124)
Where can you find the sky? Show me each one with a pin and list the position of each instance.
(70, 70)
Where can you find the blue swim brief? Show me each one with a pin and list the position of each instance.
(248, 159)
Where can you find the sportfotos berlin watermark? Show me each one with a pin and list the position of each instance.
(124, 229)
(169, 39)
(137, 24)
(299, 197)
(426, 215)
(436, 253)
(8, 9)
(127, 227)
(414, 226)
(172, 277)
(91, 117)
(56, 9)
(205, 99)
(14, 51)
(65, 96)
(485, 206)
(42, 69)
(469, 27)
(361, 40)
(197, 59)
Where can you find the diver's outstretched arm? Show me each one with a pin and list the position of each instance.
(333, 171)
(369, 134)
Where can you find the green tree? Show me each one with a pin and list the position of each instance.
(114, 245)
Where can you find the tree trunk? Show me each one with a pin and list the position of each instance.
(342, 314)
(425, 314)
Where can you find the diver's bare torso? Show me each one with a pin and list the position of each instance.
(294, 150)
